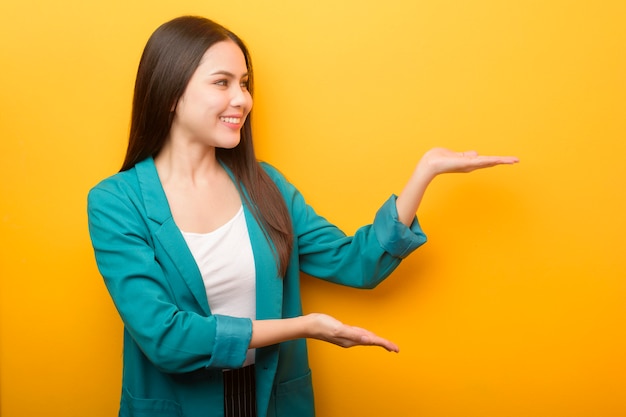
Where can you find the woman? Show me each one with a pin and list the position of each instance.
(201, 246)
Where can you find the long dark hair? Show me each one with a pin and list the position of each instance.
(169, 59)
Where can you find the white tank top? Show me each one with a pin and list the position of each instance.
(224, 257)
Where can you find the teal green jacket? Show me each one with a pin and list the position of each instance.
(175, 349)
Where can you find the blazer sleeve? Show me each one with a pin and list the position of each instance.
(362, 260)
(175, 339)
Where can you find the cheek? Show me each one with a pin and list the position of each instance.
(250, 102)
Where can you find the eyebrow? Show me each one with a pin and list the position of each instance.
(229, 74)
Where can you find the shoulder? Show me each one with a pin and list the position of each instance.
(143, 175)
(272, 171)
(129, 187)
(278, 178)
(292, 196)
(275, 174)
(122, 183)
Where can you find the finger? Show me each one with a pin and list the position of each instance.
(379, 341)
(469, 154)
(488, 161)
(497, 160)
(370, 339)
(509, 159)
(387, 345)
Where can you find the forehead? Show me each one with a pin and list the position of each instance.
(224, 56)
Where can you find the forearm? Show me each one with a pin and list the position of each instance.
(270, 332)
(411, 196)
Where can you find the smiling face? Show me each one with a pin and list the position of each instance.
(216, 101)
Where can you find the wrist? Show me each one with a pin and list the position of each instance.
(425, 172)
(307, 325)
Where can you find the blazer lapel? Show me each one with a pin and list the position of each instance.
(269, 285)
(167, 233)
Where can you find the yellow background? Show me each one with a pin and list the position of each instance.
(517, 304)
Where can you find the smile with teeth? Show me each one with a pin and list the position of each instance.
(233, 120)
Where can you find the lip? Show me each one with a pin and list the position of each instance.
(234, 121)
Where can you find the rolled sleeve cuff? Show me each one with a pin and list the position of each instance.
(232, 339)
(394, 236)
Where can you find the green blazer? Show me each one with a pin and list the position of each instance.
(175, 349)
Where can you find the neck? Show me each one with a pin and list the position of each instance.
(187, 163)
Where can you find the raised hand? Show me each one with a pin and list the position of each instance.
(440, 161)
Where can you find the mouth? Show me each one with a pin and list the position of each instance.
(231, 120)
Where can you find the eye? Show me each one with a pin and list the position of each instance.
(245, 84)
(221, 83)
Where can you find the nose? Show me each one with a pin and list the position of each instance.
(240, 97)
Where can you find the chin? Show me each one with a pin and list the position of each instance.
(231, 145)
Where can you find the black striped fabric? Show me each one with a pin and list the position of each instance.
(240, 392)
